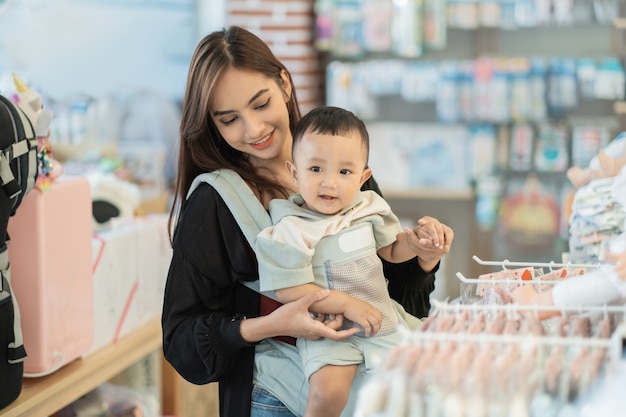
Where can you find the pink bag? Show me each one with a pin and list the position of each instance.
(51, 271)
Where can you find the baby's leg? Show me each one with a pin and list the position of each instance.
(329, 390)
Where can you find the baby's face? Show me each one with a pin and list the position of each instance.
(329, 170)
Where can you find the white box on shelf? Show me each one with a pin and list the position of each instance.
(131, 260)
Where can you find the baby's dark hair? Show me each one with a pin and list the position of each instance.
(329, 120)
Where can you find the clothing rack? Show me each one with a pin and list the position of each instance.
(506, 263)
(444, 306)
(508, 339)
(479, 366)
(616, 344)
(550, 265)
(501, 281)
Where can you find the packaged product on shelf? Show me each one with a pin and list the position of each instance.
(488, 189)
(587, 142)
(562, 85)
(586, 75)
(412, 156)
(419, 81)
(347, 87)
(530, 213)
(538, 87)
(447, 103)
(130, 263)
(435, 24)
(483, 75)
(462, 14)
(482, 155)
(609, 81)
(407, 35)
(323, 24)
(521, 98)
(348, 29)
(489, 13)
(520, 151)
(377, 25)
(551, 148)
(525, 15)
(466, 91)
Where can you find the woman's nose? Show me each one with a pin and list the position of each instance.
(254, 128)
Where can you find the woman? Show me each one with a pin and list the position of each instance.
(238, 111)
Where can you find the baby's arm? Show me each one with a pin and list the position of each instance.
(402, 249)
(429, 240)
(337, 302)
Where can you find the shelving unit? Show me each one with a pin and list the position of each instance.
(457, 208)
(619, 107)
(46, 395)
(430, 194)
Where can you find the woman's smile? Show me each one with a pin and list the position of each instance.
(264, 142)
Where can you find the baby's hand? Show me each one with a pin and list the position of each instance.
(364, 314)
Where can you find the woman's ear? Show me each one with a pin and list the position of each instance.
(287, 87)
(367, 173)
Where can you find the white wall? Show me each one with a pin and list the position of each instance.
(96, 47)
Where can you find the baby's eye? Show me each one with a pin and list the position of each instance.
(316, 169)
(264, 105)
(345, 172)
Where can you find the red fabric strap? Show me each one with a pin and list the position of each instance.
(267, 306)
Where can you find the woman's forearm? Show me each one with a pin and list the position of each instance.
(427, 265)
(335, 303)
(255, 329)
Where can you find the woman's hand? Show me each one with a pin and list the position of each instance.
(431, 240)
(431, 232)
(294, 319)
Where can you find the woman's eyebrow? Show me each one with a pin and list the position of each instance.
(254, 97)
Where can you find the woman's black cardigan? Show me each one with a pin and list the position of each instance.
(203, 302)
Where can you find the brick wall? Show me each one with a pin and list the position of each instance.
(287, 27)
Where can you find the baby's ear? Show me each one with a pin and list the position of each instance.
(367, 173)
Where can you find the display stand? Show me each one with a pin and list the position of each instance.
(46, 395)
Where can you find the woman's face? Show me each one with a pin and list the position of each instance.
(250, 111)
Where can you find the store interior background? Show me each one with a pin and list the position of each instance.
(113, 72)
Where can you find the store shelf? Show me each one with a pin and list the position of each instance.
(619, 107)
(429, 194)
(46, 395)
(620, 23)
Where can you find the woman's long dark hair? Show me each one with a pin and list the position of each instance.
(202, 148)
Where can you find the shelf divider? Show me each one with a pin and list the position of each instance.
(46, 395)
